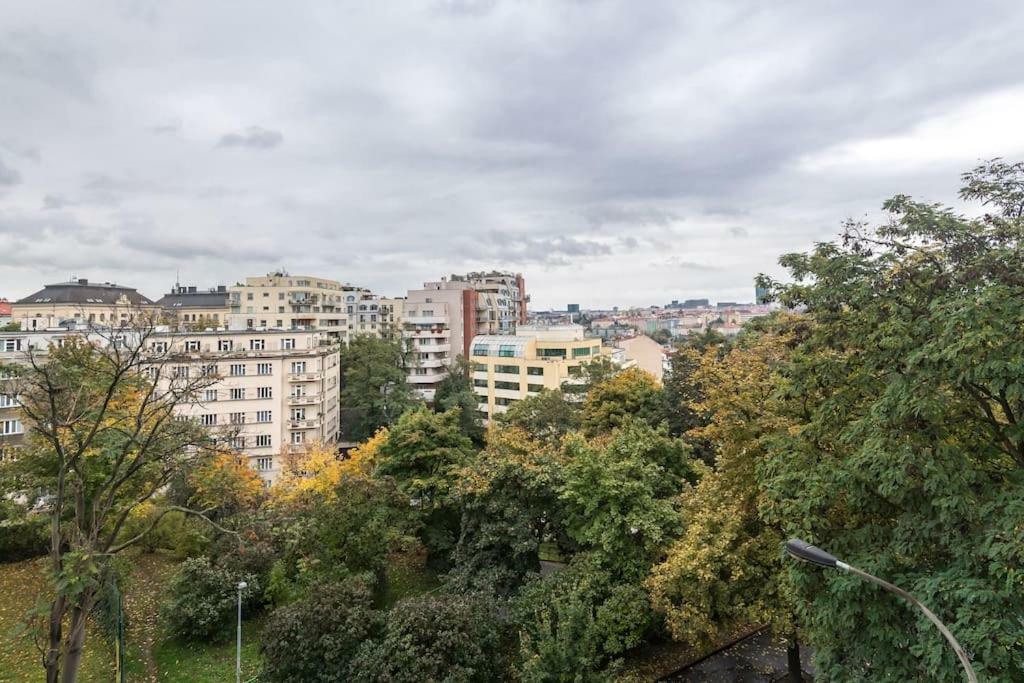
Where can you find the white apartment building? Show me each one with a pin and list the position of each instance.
(437, 323)
(274, 390)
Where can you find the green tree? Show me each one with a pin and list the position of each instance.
(661, 335)
(202, 600)
(423, 454)
(374, 391)
(456, 638)
(456, 391)
(630, 393)
(102, 443)
(315, 638)
(546, 417)
(909, 456)
(587, 376)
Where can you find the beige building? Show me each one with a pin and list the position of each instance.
(81, 302)
(300, 302)
(188, 308)
(277, 389)
(274, 391)
(648, 354)
(509, 368)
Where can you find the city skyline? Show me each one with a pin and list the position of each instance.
(615, 153)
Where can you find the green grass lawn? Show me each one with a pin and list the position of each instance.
(151, 656)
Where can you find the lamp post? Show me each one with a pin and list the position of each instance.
(242, 585)
(802, 550)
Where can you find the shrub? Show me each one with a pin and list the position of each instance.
(314, 639)
(432, 638)
(203, 599)
(23, 539)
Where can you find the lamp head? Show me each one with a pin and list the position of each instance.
(802, 550)
(242, 585)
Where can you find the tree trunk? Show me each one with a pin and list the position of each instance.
(52, 660)
(76, 639)
(796, 674)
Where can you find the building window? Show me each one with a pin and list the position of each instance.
(238, 418)
(263, 440)
(479, 382)
(534, 388)
(298, 413)
(264, 392)
(208, 420)
(506, 351)
(264, 464)
(551, 353)
(237, 394)
(237, 442)
(480, 350)
(192, 345)
(157, 347)
(180, 372)
(264, 368)
(264, 416)
(237, 369)
(298, 367)
(208, 370)
(504, 401)
(225, 345)
(510, 386)
(209, 395)
(298, 437)
(256, 344)
(288, 343)
(535, 371)
(479, 367)
(508, 369)
(11, 427)
(583, 351)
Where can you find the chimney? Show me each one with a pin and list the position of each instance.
(83, 281)
(222, 288)
(191, 290)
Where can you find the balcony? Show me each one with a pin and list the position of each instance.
(433, 332)
(305, 376)
(432, 378)
(303, 400)
(438, 320)
(432, 362)
(313, 423)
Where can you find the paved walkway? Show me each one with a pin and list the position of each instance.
(756, 659)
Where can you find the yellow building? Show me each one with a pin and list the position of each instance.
(82, 302)
(510, 368)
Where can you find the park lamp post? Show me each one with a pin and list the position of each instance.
(242, 585)
(802, 550)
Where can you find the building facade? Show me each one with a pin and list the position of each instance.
(276, 390)
(188, 308)
(509, 368)
(82, 302)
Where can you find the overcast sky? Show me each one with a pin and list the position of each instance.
(622, 153)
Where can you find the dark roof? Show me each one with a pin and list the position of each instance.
(194, 300)
(84, 292)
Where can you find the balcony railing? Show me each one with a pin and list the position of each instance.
(312, 423)
(305, 376)
(303, 400)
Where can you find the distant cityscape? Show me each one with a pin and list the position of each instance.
(275, 339)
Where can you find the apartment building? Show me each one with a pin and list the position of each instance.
(272, 390)
(392, 311)
(504, 299)
(186, 307)
(509, 368)
(5, 312)
(81, 302)
(301, 302)
(438, 322)
(276, 389)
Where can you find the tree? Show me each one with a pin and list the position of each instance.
(681, 392)
(509, 501)
(661, 335)
(455, 391)
(908, 457)
(224, 484)
(423, 453)
(630, 393)
(202, 599)
(457, 638)
(726, 571)
(589, 375)
(315, 638)
(575, 623)
(309, 472)
(546, 417)
(102, 441)
(374, 391)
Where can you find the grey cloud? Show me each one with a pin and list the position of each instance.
(8, 176)
(253, 137)
(599, 216)
(739, 231)
(677, 263)
(53, 201)
(166, 128)
(46, 59)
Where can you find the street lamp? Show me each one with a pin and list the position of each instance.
(802, 550)
(242, 585)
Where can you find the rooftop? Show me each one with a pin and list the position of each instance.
(83, 292)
